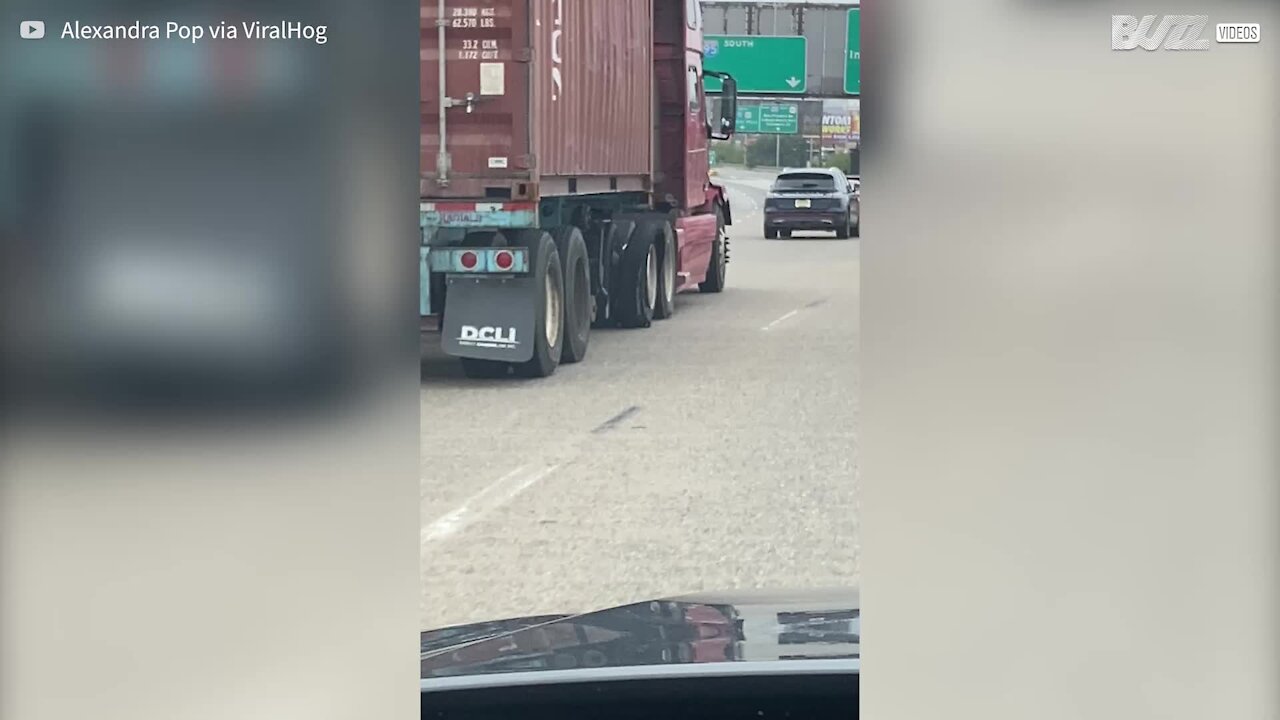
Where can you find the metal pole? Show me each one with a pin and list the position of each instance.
(442, 157)
(777, 151)
(822, 55)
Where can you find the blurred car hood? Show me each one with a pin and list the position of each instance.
(739, 627)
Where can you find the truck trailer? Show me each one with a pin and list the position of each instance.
(564, 175)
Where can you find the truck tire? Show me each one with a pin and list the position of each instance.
(638, 277)
(665, 304)
(548, 333)
(718, 264)
(577, 292)
(616, 237)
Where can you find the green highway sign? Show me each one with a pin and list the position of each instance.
(771, 119)
(853, 53)
(759, 63)
(779, 119)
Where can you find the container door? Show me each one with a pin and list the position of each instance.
(485, 96)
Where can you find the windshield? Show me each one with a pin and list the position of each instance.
(810, 182)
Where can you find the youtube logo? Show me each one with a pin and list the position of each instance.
(31, 29)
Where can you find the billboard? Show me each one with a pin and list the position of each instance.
(837, 128)
(840, 123)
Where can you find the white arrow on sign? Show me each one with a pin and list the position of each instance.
(792, 81)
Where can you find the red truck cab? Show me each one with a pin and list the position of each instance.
(686, 176)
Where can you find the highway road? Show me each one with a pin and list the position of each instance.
(715, 450)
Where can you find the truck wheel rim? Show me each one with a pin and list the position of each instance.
(555, 310)
(651, 276)
(668, 275)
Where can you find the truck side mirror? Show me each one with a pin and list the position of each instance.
(722, 128)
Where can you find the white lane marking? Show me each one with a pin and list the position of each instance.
(788, 316)
(487, 500)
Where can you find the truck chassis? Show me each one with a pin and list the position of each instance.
(515, 288)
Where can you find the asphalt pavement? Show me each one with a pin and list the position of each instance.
(715, 450)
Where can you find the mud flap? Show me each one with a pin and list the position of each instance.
(491, 318)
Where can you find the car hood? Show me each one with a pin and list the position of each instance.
(737, 627)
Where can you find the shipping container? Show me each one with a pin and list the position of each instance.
(541, 82)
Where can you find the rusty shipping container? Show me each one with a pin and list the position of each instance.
(545, 98)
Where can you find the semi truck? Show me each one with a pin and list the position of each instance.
(564, 174)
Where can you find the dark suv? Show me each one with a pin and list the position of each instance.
(811, 199)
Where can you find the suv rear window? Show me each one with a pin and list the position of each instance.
(816, 182)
